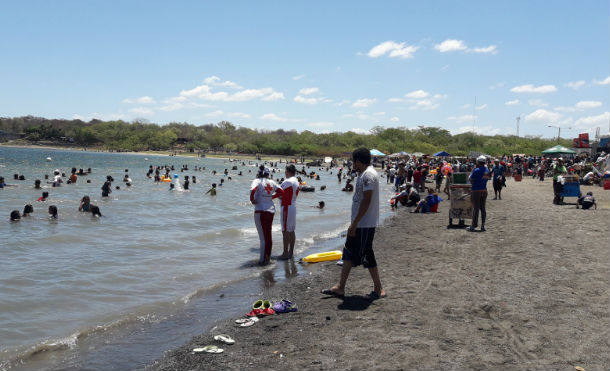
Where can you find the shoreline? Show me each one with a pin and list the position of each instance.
(515, 297)
(240, 157)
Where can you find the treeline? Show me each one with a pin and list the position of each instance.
(224, 136)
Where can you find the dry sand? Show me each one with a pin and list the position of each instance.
(531, 293)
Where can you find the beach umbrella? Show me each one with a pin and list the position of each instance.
(403, 154)
(376, 152)
(418, 154)
(561, 150)
(441, 154)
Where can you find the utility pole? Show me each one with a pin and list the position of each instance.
(518, 119)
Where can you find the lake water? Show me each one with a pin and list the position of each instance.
(115, 292)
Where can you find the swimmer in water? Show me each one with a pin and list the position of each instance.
(85, 204)
(95, 211)
(15, 217)
(321, 205)
(27, 210)
(44, 197)
(212, 191)
(53, 212)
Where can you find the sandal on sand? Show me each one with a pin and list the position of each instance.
(266, 304)
(267, 312)
(225, 339)
(255, 313)
(285, 306)
(209, 349)
(332, 293)
(375, 296)
(244, 320)
(258, 304)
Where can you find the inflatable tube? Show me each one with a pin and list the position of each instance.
(323, 256)
(308, 189)
(165, 180)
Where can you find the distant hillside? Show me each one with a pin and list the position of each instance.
(224, 136)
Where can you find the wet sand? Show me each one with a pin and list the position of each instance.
(530, 293)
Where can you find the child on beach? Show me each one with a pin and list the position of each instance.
(85, 204)
(587, 201)
(212, 191)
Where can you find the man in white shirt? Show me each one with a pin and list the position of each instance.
(365, 215)
(290, 188)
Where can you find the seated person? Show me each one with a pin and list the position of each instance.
(408, 197)
(587, 201)
(428, 204)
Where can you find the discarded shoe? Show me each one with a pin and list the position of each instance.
(285, 306)
(208, 349)
(224, 338)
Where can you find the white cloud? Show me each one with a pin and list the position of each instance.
(321, 124)
(488, 49)
(605, 81)
(101, 116)
(216, 81)
(483, 130)
(537, 103)
(272, 117)
(591, 122)
(512, 102)
(141, 100)
(393, 49)
(417, 94)
(239, 114)
(481, 107)
(496, 86)
(466, 106)
(379, 114)
(575, 84)
(143, 111)
(217, 113)
(394, 119)
(304, 100)
(395, 100)
(450, 45)
(425, 104)
(587, 104)
(274, 96)
(364, 102)
(360, 131)
(342, 103)
(543, 116)
(462, 119)
(529, 88)
(298, 77)
(308, 91)
(453, 45)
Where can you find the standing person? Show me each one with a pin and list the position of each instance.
(107, 186)
(497, 171)
(417, 177)
(365, 215)
(558, 169)
(290, 188)
(478, 178)
(262, 193)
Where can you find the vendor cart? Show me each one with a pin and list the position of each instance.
(461, 207)
(570, 187)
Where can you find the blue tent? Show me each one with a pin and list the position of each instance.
(376, 152)
(441, 154)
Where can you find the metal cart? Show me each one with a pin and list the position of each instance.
(461, 207)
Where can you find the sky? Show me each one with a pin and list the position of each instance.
(323, 66)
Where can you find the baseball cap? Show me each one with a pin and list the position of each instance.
(481, 159)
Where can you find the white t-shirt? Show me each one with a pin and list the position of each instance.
(261, 191)
(291, 190)
(367, 181)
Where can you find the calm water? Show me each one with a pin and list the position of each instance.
(115, 292)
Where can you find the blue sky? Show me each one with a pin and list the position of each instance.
(322, 66)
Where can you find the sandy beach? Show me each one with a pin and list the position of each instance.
(531, 293)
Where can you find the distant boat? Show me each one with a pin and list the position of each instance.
(49, 159)
(145, 158)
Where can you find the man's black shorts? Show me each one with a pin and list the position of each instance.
(359, 249)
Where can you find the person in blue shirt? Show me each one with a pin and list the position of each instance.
(478, 178)
(497, 172)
